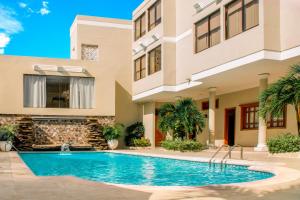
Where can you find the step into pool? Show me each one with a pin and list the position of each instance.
(137, 170)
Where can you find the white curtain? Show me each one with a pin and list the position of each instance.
(74, 92)
(81, 93)
(35, 91)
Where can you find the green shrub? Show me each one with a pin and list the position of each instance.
(284, 143)
(182, 145)
(113, 132)
(143, 142)
(7, 132)
(134, 131)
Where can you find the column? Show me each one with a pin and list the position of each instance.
(262, 127)
(149, 121)
(211, 115)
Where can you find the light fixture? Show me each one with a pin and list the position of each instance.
(203, 4)
(155, 37)
(197, 7)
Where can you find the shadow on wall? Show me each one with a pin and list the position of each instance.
(125, 109)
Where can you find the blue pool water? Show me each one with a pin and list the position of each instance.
(137, 170)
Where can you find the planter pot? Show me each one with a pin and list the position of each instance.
(5, 146)
(113, 144)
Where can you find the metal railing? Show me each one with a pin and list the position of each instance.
(216, 153)
(229, 153)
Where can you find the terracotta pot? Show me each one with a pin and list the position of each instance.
(5, 146)
(113, 144)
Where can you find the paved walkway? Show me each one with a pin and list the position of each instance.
(18, 183)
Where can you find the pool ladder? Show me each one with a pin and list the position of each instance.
(228, 154)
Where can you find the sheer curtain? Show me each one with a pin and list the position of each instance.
(35, 91)
(82, 93)
(74, 92)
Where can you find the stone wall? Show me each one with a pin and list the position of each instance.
(53, 130)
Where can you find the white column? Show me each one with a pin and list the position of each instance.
(262, 127)
(149, 121)
(211, 115)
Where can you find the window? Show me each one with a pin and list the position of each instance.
(250, 118)
(277, 122)
(241, 15)
(140, 27)
(140, 68)
(208, 32)
(154, 59)
(58, 92)
(154, 15)
(89, 52)
(205, 105)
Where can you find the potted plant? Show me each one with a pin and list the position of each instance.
(112, 134)
(7, 134)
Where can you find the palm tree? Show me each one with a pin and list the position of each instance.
(183, 116)
(285, 91)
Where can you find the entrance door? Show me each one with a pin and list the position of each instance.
(229, 126)
(159, 137)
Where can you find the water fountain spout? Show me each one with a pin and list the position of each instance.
(65, 147)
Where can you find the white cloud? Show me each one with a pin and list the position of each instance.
(4, 40)
(44, 10)
(45, 4)
(22, 5)
(8, 23)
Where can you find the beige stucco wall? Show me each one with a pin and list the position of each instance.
(112, 72)
(13, 68)
(277, 31)
(289, 20)
(244, 137)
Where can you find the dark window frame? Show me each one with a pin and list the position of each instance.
(270, 122)
(209, 33)
(141, 68)
(244, 29)
(205, 105)
(157, 68)
(141, 33)
(157, 20)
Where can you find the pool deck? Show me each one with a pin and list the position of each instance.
(18, 183)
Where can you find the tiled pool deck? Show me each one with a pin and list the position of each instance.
(18, 183)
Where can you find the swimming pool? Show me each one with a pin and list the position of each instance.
(137, 170)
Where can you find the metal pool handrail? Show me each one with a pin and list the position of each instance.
(230, 151)
(219, 149)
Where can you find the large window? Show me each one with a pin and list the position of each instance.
(154, 15)
(241, 15)
(154, 59)
(208, 32)
(58, 92)
(250, 118)
(140, 27)
(140, 68)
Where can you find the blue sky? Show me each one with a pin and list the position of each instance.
(40, 28)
